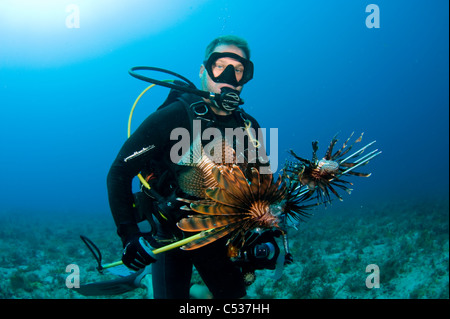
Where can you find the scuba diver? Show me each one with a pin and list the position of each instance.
(226, 68)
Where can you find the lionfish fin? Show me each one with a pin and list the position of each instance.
(214, 208)
(194, 155)
(202, 222)
(328, 154)
(359, 138)
(210, 237)
(233, 182)
(277, 191)
(241, 181)
(266, 181)
(301, 159)
(224, 197)
(192, 182)
(197, 177)
(255, 182)
(340, 153)
(220, 151)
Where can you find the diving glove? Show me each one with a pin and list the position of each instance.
(137, 253)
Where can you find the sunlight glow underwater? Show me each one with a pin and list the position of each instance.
(39, 33)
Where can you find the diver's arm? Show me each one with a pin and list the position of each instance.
(120, 178)
(120, 196)
(147, 143)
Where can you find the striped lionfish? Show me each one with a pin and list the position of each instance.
(232, 204)
(199, 160)
(325, 174)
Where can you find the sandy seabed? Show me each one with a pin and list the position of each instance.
(408, 242)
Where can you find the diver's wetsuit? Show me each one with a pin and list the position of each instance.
(149, 144)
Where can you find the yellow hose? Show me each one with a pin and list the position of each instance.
(166, 248)
(141, 178)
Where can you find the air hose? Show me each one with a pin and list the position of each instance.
(141, 178)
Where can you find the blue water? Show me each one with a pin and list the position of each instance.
(65, 94)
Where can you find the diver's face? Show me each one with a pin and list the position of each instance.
(219, 66)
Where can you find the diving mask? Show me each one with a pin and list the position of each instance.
(228, 74)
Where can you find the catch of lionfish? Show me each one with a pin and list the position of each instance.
(199, 161)
(237, 200)
(233, 202)
(325, 174)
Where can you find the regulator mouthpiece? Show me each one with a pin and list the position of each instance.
(228, 99)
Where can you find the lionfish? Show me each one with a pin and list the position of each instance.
(238, 205)
(325, 174)
(200, 161)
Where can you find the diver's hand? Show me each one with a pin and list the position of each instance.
(288, 259)
(137, 253)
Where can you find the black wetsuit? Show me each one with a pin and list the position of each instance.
(149, 146)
